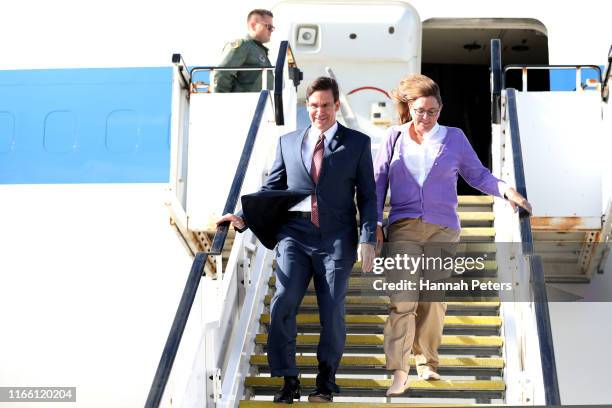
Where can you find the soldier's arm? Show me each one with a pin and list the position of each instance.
(233, 56)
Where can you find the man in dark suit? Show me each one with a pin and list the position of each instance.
(319, 239)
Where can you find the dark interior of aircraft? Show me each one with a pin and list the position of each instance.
(458, 60)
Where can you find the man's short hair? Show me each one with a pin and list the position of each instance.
(260, 13)
(323, 84)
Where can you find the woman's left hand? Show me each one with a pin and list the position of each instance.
(379, 239)
(517, 200)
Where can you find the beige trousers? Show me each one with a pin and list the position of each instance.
(416, 323)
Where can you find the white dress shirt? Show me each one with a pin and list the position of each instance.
(308, 145)
(419, 158)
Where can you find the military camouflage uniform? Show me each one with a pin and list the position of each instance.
(245, 52)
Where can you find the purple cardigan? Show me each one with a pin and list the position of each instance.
(436, 201)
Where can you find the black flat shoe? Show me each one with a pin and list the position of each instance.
(320, 396)
(289, 391)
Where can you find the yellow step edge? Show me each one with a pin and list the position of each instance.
(477, 247)
(381, 319)
(467, 200)
(384, 300)
(377, 340)
(380, 360)
(477, 232)
(476, 215)
(467, 385)
(270, 404)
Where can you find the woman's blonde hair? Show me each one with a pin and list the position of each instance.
(411, 88)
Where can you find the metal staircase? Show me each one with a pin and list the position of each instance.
(471, 354)
(492, 352)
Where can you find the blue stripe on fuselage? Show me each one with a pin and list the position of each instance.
(85, 125)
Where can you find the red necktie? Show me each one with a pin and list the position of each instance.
(315, 171)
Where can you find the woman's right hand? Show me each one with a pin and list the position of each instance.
(516, 199)
(379, 239)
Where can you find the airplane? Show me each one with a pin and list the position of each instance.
(116, 158)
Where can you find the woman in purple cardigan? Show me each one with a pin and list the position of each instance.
(419, 163)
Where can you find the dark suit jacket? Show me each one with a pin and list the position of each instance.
(347, 173)
(266, 211)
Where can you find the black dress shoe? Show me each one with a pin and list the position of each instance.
(320, 395)
(289, 391)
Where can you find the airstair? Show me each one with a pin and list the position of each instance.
(471, 355)
(496, 349)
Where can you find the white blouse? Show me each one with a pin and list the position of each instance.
(419, 158)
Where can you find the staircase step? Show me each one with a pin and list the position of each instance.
(475, 200)
(477, 232)
(372, 387)
(372, 285)
(464, 344)
(375, 323)
(476, 215)
(458, 366)
(384, 300)
(377, 320)
(367, 281)
(380, 304)
(379, 360)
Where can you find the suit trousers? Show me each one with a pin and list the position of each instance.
(301, 255)
(416, 318)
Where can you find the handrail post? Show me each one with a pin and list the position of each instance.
(605, 80)
(285, 53)
(496, 81)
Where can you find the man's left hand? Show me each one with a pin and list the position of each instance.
(367, 256)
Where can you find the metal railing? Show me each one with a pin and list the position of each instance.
(525, 68)
(197, 85)
(285, 55)
(537, 282)
(177, 59)
(496, 81)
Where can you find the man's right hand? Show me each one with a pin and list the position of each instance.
(236, 221)
(367, 256)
